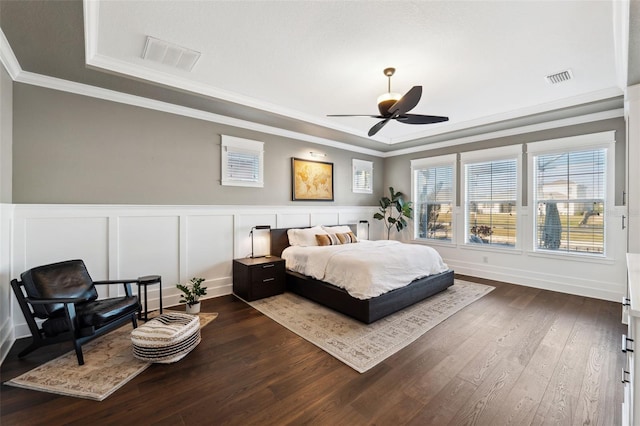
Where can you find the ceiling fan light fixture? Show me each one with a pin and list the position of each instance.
(386, 101)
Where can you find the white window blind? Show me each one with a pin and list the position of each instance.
(491, 202)
(362, 176)
(434, 193)
(570, 201)
(242, 162)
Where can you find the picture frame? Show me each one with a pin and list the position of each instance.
(311, 180)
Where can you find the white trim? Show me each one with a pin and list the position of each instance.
(492, 154)
(621, 12)
(91, 11)
(591, 140)
(565, 122)
(8, 58)
(441, 160)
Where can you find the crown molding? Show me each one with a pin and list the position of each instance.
(8, 58)
(572, 121)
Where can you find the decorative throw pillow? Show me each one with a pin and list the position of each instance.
(327, 240)
(347, 238)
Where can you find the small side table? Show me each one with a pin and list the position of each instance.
(255, 278)
(145, 282)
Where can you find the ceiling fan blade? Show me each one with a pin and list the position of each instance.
(420, 119)
(375, 129)
(407, 102)
(355, 115)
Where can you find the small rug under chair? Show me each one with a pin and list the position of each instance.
(363, 346)
(108, 365)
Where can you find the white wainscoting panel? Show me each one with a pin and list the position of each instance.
(55, 239)
(293, 220)
(244, 223)
(332, 218)
(6, 294)
(209, 252)
(150, 246)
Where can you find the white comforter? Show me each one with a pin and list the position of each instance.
(368, 268)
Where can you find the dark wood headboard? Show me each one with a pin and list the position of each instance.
(280, 239)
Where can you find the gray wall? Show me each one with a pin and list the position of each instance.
(80, 150)
(398, 175)
(6, 125)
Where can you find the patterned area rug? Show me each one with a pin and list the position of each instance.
(108, 365)
(363, 346)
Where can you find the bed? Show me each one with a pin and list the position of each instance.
(365, 310)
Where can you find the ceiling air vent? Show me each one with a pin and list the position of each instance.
(170, 54)
(559, 77)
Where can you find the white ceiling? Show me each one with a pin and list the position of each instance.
(479, 62)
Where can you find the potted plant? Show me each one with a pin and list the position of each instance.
(191, 294)
(393, 211)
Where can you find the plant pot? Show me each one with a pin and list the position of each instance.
(193, 309)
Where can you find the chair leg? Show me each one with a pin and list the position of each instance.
(134, 321)
(26, 351)
(79, 355)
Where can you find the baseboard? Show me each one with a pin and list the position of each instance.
(7, 338)
(558, 283)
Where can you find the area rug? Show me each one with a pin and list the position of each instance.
(108, 365)
(363, 346)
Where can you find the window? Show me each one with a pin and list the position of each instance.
(491, 196)
(569, 193)
(434, 196)
(362, 176)
(242, 162)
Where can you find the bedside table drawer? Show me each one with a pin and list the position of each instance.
(266, 273)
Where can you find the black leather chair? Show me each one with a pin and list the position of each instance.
(65, 297)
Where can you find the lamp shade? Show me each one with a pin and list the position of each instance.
(363, 230)
(260, 241)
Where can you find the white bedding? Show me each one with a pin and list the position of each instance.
(368, 268)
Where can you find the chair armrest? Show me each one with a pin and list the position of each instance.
(126, 283)
(129, 281)
(36, 301)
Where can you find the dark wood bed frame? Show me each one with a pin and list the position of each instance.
(366, 311)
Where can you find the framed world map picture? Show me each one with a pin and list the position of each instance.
(311, 180)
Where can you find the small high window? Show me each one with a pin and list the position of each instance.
(242, 162)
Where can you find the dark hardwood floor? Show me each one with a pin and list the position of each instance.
(517, 356)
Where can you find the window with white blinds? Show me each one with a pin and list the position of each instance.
(570, 201)
(242, 162)
(491, 200)
(434, 197)
(362, 176)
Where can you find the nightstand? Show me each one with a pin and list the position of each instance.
(255, 278)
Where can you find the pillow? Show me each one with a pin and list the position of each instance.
(343, 229)
(328, 239)
(305, 237)
(347, 238)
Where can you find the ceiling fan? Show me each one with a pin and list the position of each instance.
(393, 106)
